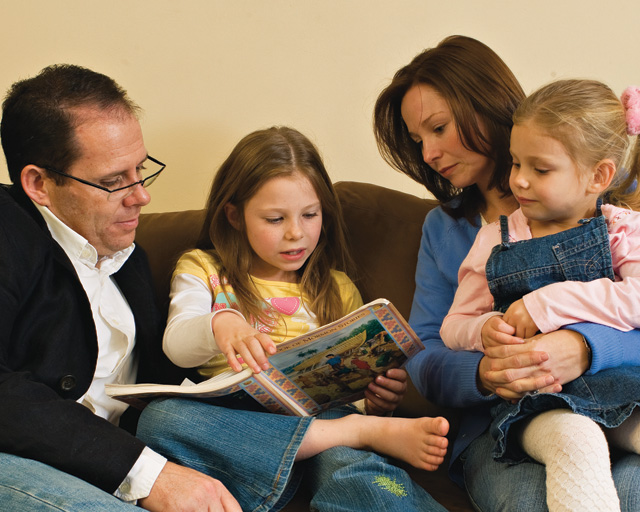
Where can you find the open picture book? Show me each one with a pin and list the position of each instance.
(326, 367)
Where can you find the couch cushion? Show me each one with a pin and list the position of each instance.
(384, 228)
(164, 237)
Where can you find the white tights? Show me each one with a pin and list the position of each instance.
(575, 451)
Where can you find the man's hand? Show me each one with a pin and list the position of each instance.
(385, 393)
(182, 489)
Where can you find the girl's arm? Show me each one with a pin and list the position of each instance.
(440, 374)
(188, 339)
(473, 303)
(601, 301)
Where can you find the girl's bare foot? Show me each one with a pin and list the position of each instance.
(419, 441)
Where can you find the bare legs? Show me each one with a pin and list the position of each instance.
(419, 441)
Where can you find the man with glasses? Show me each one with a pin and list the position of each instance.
(76, 304)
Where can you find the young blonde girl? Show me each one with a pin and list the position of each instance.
(265, 270)
(562, 258)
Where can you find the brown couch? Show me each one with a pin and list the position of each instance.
(384, 228)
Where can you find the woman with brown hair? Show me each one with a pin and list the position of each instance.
(445, 121)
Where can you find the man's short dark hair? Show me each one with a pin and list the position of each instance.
(38, 119)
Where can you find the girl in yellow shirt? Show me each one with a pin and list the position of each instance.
(265, 270)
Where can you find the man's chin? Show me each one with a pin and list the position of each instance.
(116, 246)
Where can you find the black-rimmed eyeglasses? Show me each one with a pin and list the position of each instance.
(119, 193)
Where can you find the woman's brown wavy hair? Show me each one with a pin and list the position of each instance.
(482, 93)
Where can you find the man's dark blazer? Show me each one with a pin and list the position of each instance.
(48, 351)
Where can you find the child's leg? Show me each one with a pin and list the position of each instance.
(627, 435)
(419, 441)
(576, 455)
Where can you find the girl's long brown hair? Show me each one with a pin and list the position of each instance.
(257, 158)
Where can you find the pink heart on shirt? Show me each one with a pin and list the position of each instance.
(286, 305)
(214, 280)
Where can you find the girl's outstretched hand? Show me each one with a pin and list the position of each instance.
(235, 337)
(385, 393)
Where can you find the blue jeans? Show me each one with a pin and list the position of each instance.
(30, 486)
(344, 479)
(495, 486)
(252, 454)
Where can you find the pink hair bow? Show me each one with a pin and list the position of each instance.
(631, 102)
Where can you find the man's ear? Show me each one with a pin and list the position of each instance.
(233, 215)
(36, 184)
(603, 173)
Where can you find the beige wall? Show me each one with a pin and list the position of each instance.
(207, 72)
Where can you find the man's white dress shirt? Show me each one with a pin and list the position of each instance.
(115, 328)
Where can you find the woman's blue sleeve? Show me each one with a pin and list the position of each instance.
(442, 375)
(610, 347)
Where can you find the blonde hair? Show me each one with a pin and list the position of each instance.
(589, 120)
(257, 158)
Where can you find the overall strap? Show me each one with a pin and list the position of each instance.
(504, 229)
(599, 207)
(598, 213)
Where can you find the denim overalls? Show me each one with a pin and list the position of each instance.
(582, 253)
(514, 269)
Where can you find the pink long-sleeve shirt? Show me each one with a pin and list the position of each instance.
(602, 301)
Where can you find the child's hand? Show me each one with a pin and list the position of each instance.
(235, 336)
(496, 332)
(385, 393)
(518, 316)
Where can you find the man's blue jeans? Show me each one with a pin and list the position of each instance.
(30, 486)
(500, 487)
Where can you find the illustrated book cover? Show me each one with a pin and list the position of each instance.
(321, 369)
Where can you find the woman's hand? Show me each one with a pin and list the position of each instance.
(543, 363)
(568, 354)
(385, 393)
(235, 337)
